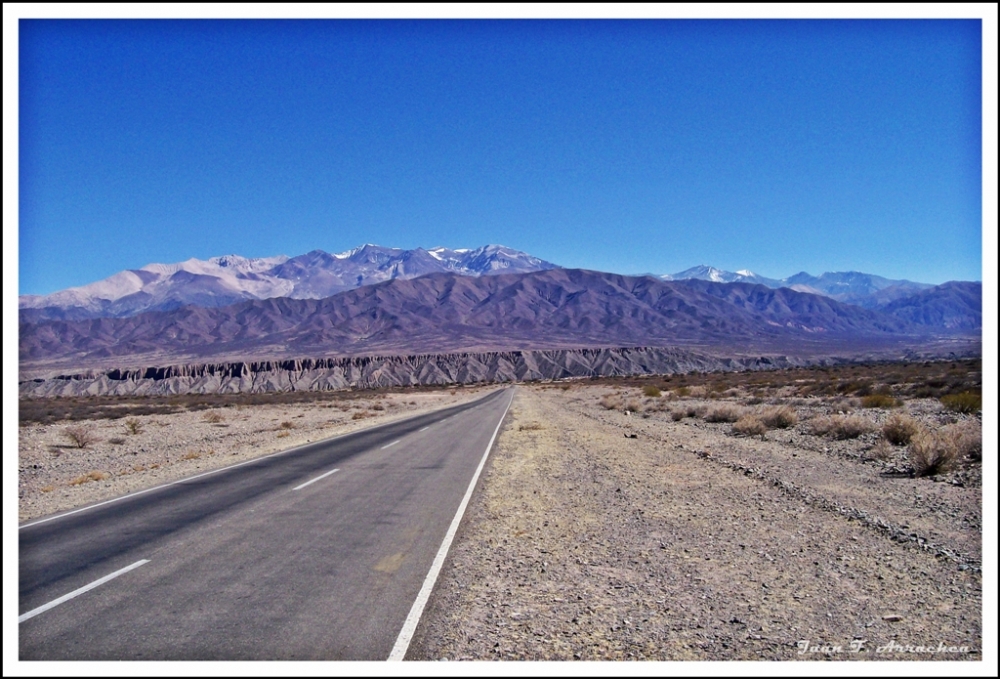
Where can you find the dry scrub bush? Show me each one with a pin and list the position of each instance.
(117, 440)
(840, 427)
(879, 401)
(634, 406)
(89, 476)
(651, 390)
(966, 402)
(678, 415)
(611, 401)
(900, 429)
(530, 426)
(750, 425)
(360, 415)
(80, 436)
(212, 417)
(967, 438)
(780, 417)
(133, 426)
(933, 453)
(287, 425)
(724, 413)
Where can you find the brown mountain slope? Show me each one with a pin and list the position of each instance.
(447, 312)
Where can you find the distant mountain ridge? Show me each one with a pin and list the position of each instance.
(221, 281)
(447, 312)
(852, 287)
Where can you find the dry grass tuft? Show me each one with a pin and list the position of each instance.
(840, 427)
(750, 425)
(966, 402)
(287, 425)
(530, 426)
(652, 391)
(780, 417)
(611, 402)
(133, 426)
(724, 413)
(212, 417)
(633, 405)
(360, 415)
(879, 401)
(900, 429)
(967, 438)
(933, 453)
(191, 456)
(88, 477)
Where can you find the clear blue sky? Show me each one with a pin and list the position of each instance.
(627, 146)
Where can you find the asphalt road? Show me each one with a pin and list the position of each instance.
(281, 558)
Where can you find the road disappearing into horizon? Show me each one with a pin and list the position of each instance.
(322, 552)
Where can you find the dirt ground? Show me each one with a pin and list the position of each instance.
(688, 542)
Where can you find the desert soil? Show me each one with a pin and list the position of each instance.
(689, 543)
(54, 475)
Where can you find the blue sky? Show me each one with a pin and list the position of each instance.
(627, 146)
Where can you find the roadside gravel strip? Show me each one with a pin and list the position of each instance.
(687, 543)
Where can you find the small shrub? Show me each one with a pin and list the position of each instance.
(780, 417)
(133, 426)
(879, 400)
(191, 456)
(966, 402)
(724, 413)
(900, 429)
(117, 440)
(212, 417)
(683, 391)
(378, 406)
(47, 489)
(932, 453)
(88, 477)
(80, 436)
(531, 426)
(966, 438)
(749, 425)
(651, 390)
(282, 434)
(287, 425)
(611, 401)
(359, 415)
(677, 415)
(634, 406)
(840, 427)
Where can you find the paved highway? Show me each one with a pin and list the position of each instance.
(315, 553)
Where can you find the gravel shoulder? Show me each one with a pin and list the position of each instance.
(132, 453)
(689, 543)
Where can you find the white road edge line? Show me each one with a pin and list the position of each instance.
(389, 445)
(321, 476)
(410, 626)
(77, 592)
(426, 428)
(174, 483)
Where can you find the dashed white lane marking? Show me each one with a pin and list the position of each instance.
(321, 476)
(389, 445)
(410, 626)
(77, 592)
(426, 428)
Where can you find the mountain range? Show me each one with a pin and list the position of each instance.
(225, 280)
(220, 281)
(450, 312)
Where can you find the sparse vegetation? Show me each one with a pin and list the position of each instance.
(287, 425)
(900, 429)
(879, 400)
(212, 417)
(611, 402)
(652, 391)
(531, 426)
(88, 477)
(191, 456)
(779, 417)
(134, 426)
(80, 436)
(724, 413)
(749, 425)
(840, 427)
(933, 453)
(360, 415)
(116, 440)
(965, 402)
(633, 405)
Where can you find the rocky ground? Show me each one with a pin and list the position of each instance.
(136, 451)
(599, 534)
